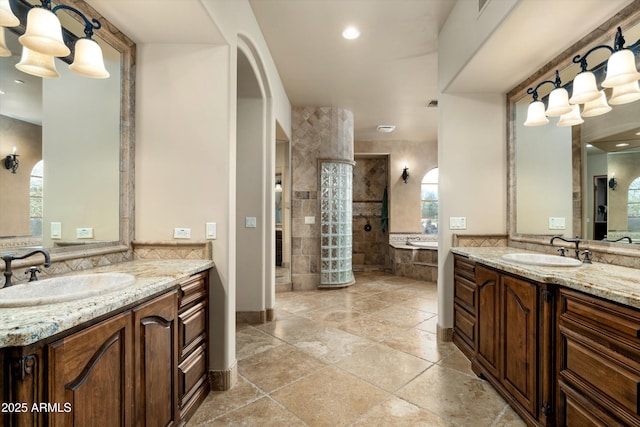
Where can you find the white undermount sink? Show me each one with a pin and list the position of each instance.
(64, 288)
(542, 260)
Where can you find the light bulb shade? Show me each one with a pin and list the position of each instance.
(37, 64)
(88, 60)
(535, 114)
(596, 107)
(44, 33)
(558, 102)
(584, 88)
(4, 50)
(621, 69)
(7, 17)
(625, 94)
(571, 119)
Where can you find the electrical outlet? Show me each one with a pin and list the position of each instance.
(56, 230)
(250, 222)
(309, 219)
(458, 223)
(557, 223)
(182, 233)
(210, 230)
(84, 233)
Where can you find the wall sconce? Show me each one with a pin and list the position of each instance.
(621, 75)
(43, 40)
(613, 182)
(405, 174)
(278, 186)
(11, 161)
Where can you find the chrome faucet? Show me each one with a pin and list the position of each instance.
(576, 241)
(10, 257)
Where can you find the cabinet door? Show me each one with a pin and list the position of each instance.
(488, 336)
(90, 374)
(156, 361)
(519, 323)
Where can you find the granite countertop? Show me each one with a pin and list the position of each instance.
(611, 282)
(26, 325)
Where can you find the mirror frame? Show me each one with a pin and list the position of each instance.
(127, 48)
(603, 34)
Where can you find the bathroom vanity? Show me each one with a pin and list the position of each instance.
(136, 356)
(560, 344)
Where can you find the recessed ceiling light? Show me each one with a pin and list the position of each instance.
(351, 33)
(18, 81)
(589, 145)
(637, 133)
(386, 128)
(622, 144)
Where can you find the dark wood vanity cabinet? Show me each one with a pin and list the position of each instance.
(513, 335)
(598, 362)
(145, 366)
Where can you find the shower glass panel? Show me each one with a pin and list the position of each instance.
(336, 181)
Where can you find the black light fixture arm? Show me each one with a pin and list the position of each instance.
(556, 84)
(89, 26)
(618, 44)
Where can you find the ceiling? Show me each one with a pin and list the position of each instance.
(389, 74)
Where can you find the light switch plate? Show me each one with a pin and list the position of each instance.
(182, 233)
(84, 233)
(557, 223)
(309, 219)
(458, 223)
(56, 230)
(210, 230)
(250, 222)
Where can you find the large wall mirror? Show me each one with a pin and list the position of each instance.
(73, 136)
(578, 180)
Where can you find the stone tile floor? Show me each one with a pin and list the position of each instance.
(361, 356)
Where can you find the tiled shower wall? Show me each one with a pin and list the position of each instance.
(370, 248)
(318, 133)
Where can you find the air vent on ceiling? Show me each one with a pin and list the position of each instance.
(433, 103)
(386, 128)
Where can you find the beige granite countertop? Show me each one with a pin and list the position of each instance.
(611, 282)
(26, 325)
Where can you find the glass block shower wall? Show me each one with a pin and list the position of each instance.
(336, 182)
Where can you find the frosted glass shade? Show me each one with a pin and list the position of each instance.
(4, 50)
(88, 60)
(7, 17)
(596, 107)
(37, 64)
(558, 102)
(584, 88)
(571, 119)
(44, 33)
(625, 94)
(535, 114)
(621, 69)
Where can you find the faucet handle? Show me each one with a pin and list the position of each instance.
(33, 272)
(587, 257)
(562, 251)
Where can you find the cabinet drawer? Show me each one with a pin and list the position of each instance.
(193, 373)
(193, 324)
(465, 325)
(581, 412)
(464, 294)
(602, 316)
(603, 375)
(464, 268)
(193, 289)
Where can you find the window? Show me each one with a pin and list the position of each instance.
(634, 206)
(429, 196)
(35, 200)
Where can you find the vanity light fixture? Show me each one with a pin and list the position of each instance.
(405, 174)
(4, 50)
(11, 161)
(621, 76)
(278, 187)
(43, 40)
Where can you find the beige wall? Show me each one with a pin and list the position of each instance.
(404, 199)
(14, 188)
